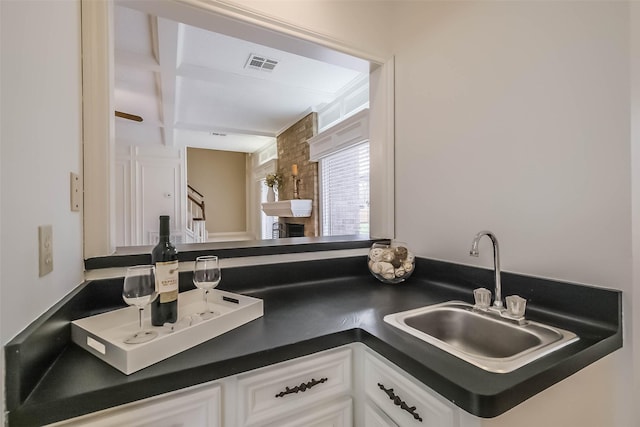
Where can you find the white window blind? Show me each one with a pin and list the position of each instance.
(344, 178)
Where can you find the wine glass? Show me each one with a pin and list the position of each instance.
(139, 290)
(206, 276)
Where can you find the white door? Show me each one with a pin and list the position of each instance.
(160, 193)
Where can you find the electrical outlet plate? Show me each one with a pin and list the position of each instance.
(76, 192)
(45, 249)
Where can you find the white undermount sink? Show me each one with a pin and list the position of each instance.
(288, 208)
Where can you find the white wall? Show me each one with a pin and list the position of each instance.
(364, 27)
(514, 117)
(635, 164)
(41, 145)
(511, 116)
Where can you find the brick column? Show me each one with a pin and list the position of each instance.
(294, 149)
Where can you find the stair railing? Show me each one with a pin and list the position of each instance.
(196, 215)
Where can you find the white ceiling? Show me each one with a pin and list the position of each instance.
(190, 84)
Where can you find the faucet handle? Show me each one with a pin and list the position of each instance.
(516, 306)
(482, 298)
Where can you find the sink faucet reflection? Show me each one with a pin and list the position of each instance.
(496, 262)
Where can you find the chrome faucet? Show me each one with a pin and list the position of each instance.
(496, 263)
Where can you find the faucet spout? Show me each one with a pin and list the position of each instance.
(496, 262)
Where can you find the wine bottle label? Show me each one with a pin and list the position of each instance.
(167, 281)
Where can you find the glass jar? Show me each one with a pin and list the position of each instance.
(391, 262)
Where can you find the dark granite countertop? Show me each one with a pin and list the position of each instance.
(308, 307)
(135, 255)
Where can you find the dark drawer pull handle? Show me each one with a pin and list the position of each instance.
(302, 387)
(399, 402)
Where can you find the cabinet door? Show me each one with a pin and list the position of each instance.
(398, 395)
(374, 417)
(275, 391)
(183, 409)
(335, 414)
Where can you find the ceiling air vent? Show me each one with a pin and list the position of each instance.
(260, 62)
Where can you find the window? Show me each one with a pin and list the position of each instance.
(344, 181)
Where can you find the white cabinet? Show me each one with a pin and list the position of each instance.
(310, 391)
(403, 399)
(374, 417)
(190, 408)
(342, 387)
(333, 414)
(273, 392)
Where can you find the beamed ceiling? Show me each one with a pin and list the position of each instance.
(192, 86)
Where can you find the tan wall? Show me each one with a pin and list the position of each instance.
(220, 177)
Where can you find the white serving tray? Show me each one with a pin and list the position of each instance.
(103, 335)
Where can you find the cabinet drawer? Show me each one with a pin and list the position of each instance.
(334, 414)
(274, 391)
(403, 400)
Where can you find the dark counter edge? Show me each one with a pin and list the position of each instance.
(33, 351)
(136, 255)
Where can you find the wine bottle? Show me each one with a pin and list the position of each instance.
(165, 257)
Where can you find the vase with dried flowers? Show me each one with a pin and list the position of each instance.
(273, 180)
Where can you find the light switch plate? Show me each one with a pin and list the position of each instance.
(45, 249)
(76, 192)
